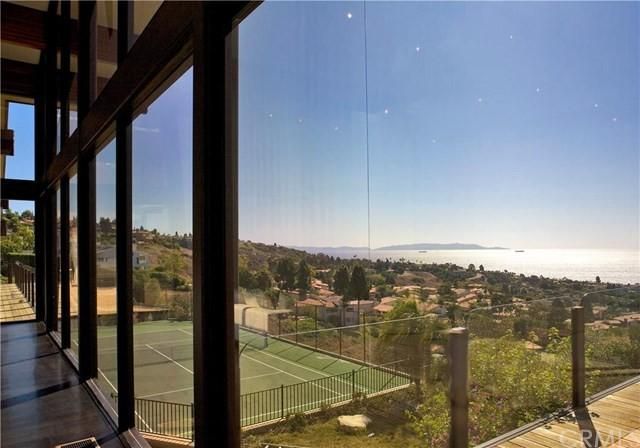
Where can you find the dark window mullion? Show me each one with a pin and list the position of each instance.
(124, 281)
(215, 232)
(87, 197)
(51, 95)
(65, 66)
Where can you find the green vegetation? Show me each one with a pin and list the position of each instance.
(519, 349)
(19, 229)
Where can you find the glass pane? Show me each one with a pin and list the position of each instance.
(58, 258)
(18, 262)
(396, 180)
(73, 81)
(73, 261)
(162, 262)
(106, 271)
(107, 63)
(612, 336)
(21, 121)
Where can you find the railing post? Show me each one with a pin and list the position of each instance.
(577, 356)
(282, 401)
(353, 383)
(458, 387)
(192, 421)
(364, 338)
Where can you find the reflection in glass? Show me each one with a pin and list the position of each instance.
(73, 261)
(58, 258)
(162, 262)
(106, 271)
(368, 145)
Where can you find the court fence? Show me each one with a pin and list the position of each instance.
(163, 417)
(279, 402)
(176, 419)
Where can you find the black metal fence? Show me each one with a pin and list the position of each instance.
(24, 277)
(163, 417)
(176, 419)
(279, 402)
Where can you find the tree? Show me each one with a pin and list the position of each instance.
(105, 226)
(27, 214)
(358, 287)
(471, 268)
(598, 279)
(173, 263)
(286, 274)
(587, 303)
(273, 294)
(246, 279)
(405, 340)
(341, 281)
(303, 276)
(263, 280)
(481, 268)
(445, 293)
(558, 314)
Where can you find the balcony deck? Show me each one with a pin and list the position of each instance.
(612, 420)
(13, 305)
(43, 401)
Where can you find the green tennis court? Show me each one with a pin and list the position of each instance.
(277, 377)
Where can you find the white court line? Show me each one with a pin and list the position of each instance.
(170, 359)
(290, 374)
(116, 391)
(319, 372)
(166, 393)
(141, 333)
(144, 346)
(185, 331)
(259, 376)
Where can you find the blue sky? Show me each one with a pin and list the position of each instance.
(498, 123)
(509, 124)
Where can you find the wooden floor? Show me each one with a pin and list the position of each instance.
(13, 305)
(43, 402)
(612, 421)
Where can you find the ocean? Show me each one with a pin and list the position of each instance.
(616, 266)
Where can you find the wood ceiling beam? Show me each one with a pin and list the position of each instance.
(25, 27)
(19, 79)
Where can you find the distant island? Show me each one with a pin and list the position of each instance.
(415, 246)
(439, 246)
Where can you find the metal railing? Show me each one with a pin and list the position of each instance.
(24, 277)
(163, 417)
(280, 402)
(458, 355)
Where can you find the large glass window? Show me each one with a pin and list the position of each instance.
(162, 261)
(397, 179)
(18, 262)
(58, 258)
(106, 270)
(21, 121)
(73, 261)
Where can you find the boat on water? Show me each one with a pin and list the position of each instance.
(422, 251)
(519, 250)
